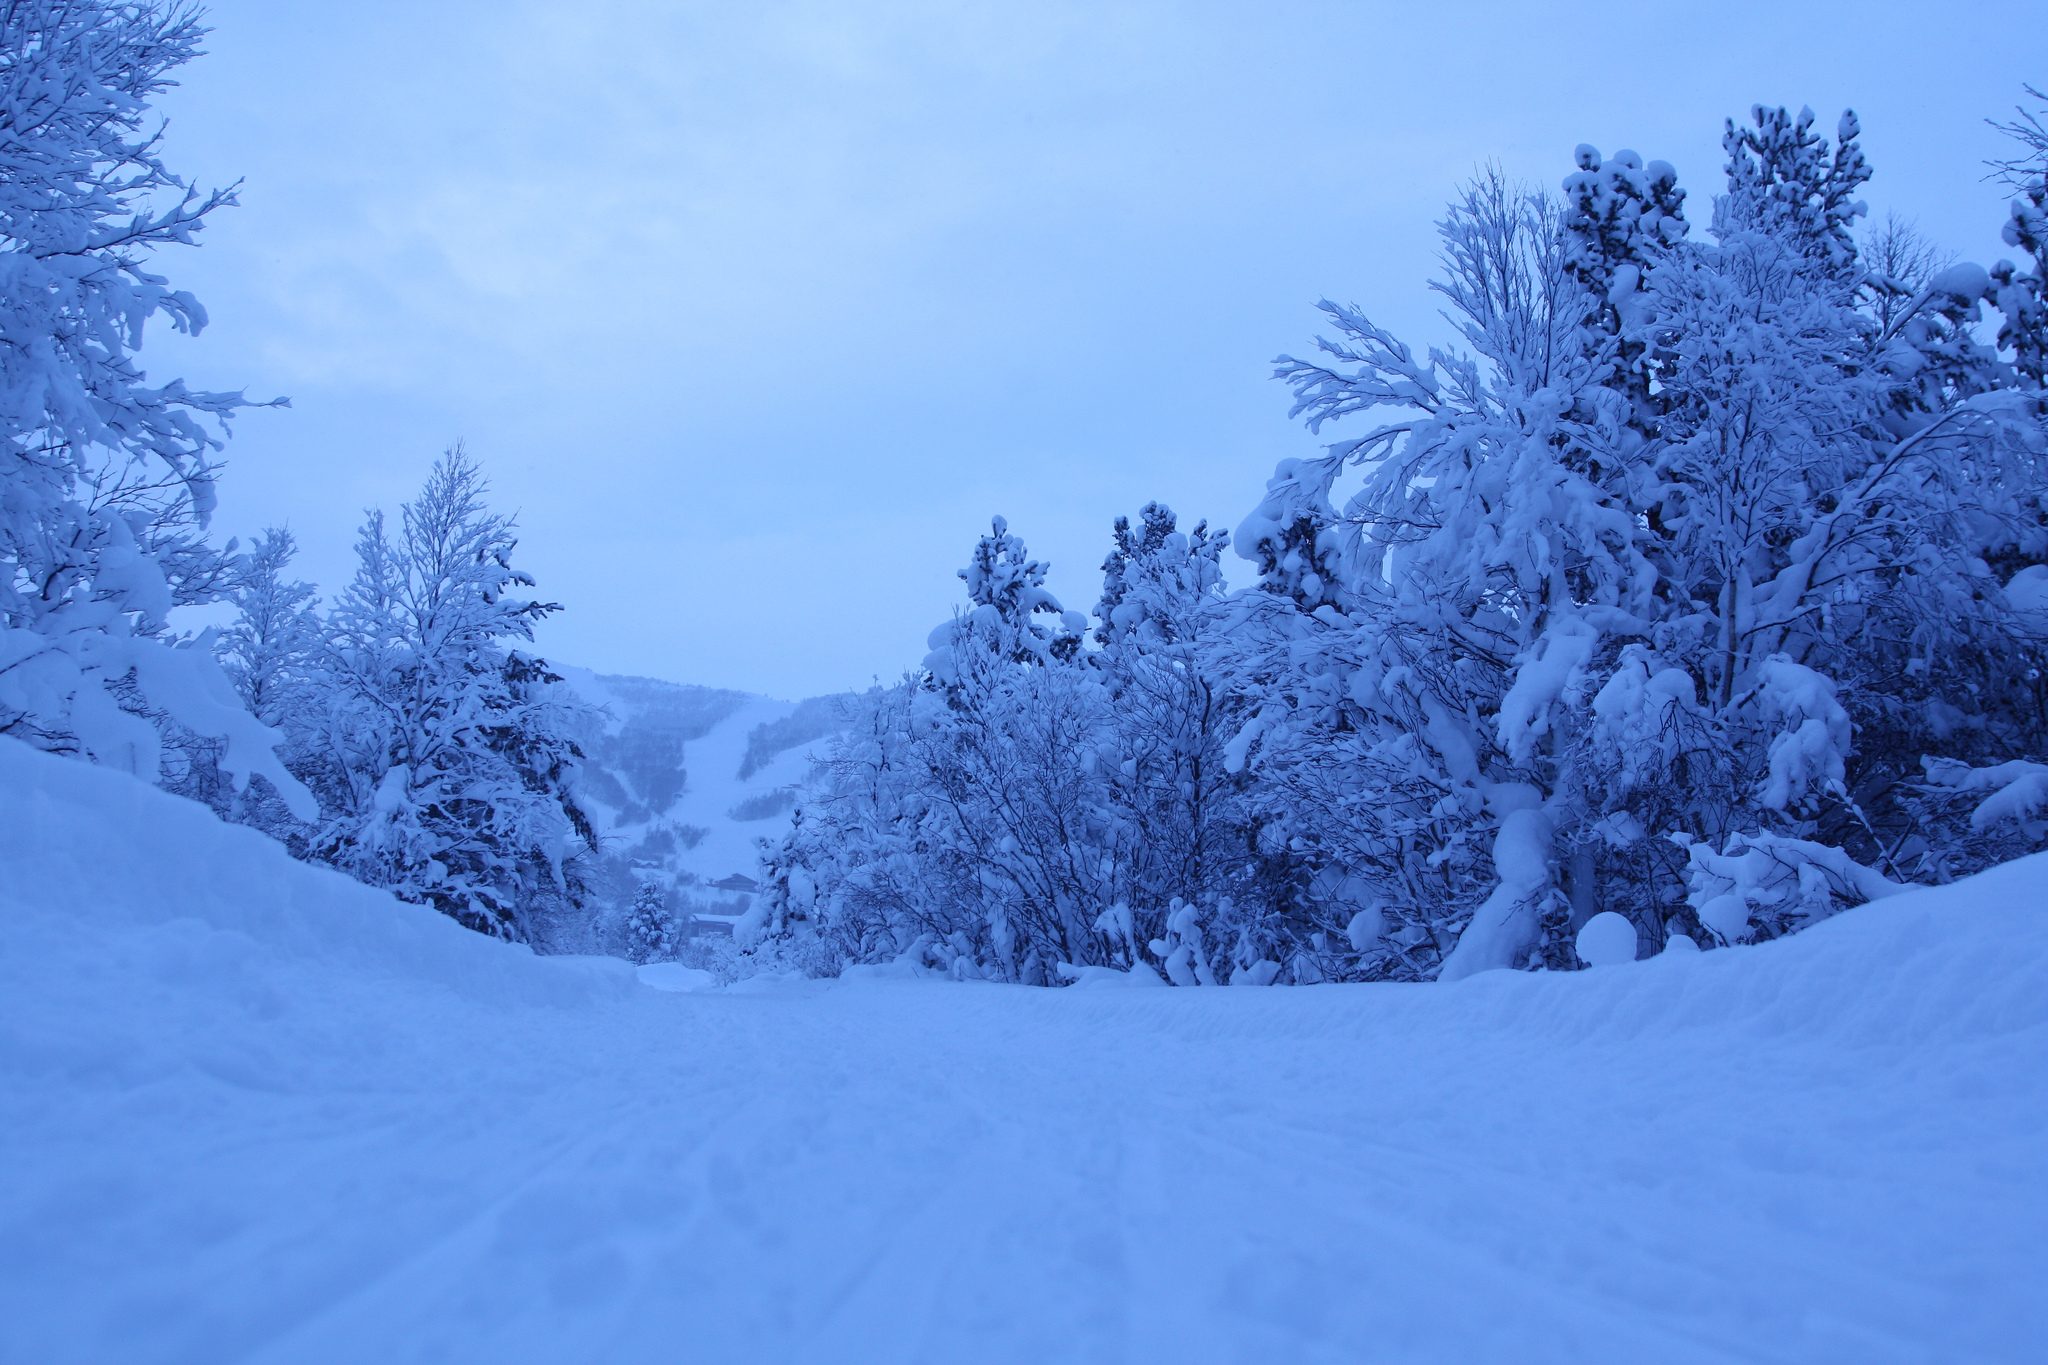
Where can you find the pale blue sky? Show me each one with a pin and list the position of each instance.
(756, 312)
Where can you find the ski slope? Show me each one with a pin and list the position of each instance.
(714, 787)
(254, 1112)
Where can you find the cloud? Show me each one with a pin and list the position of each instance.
(758, 311)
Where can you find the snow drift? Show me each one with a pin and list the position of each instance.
(255, 1112)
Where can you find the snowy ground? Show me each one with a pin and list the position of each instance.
(255, 1113)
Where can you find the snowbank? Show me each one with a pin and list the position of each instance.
(256, 1113)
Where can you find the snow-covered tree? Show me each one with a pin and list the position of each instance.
(447, 758)
(2020, 295)
(1646, 582)
(1006, 595)
(270, 654)
(1953, 387)
(270, 650)
(106, 481)
(983, 855)
(847, 872)
(1899, 262)
(956, 819)
(652, 934)
(1375, 648)
(1207, 883)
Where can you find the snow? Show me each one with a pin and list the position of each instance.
(674, 976)
(254, 1112)
(1812, 748)
(713, 761)
(715, 788)
(1525, 711)
(1506, 922)
(1608, 940)
(2018, 788)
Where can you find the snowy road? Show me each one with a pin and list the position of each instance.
(266, 1116)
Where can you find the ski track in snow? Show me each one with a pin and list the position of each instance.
(256, 1113)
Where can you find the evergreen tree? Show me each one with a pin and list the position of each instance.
(1006, 595)
(448, 761)
(652, 934)
(270, 651)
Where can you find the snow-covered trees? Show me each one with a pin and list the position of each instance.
(106, 482)
(1022, 803)
(1209, 886)
(444, 758)
(1693, 544)
(1701, 590)
(437, 748)
(1703, 581)
(960, 817)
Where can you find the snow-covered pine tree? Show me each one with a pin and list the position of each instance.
(1006, 595)
(448, 757)
(107, 481)
(269, 651)
(1121, 572)
(652, 934)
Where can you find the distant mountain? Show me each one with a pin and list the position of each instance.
(684, 782)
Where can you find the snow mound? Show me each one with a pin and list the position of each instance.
(252, 1112)
(1607, 940)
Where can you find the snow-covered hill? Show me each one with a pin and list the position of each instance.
(684, 781)
(253, 1112)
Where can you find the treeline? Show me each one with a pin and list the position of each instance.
(1705, 582)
